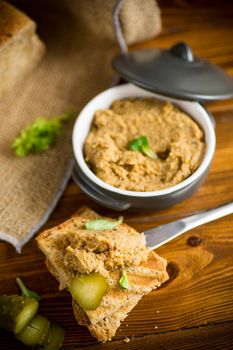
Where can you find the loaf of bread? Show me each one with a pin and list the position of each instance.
(20, 47)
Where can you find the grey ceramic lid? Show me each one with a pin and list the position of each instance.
(175, 73)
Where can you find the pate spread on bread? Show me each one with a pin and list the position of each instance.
(72, 250)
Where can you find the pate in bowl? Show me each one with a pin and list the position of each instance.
(121, 178)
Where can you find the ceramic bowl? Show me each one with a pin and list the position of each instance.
(119, 199)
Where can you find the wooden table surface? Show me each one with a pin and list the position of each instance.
(194, 309)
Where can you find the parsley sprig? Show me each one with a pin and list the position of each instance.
(141, 144)
(124, 281)
(25, 292)
(40, 135)
(102, 224)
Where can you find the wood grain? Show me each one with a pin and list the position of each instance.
(200, 338)
(194, 309)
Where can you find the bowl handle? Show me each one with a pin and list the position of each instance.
(99, 196)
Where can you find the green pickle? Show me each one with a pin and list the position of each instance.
(16, 312)
(55, 338)
(36, 331)
(88, 290)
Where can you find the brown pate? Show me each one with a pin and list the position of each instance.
(177, 140)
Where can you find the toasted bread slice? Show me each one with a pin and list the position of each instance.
(105, 329)
(71, 250)
(117, 303)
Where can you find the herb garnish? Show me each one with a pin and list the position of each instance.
(136, 144)
(141, 144)
(124, 282)
(25, 292)
(40, 135)
(102, 224)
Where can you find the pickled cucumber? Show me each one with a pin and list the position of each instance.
(36, 331)
(88, 290)
(55, 338)
(16, 312)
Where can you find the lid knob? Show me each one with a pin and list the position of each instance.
(182, 50)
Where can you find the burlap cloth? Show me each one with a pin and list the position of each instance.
(80, 42)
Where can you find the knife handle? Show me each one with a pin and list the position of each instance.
(160, 235)
(206, 216)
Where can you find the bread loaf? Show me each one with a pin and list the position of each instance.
(20, 47)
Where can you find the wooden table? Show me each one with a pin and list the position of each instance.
(194, 309)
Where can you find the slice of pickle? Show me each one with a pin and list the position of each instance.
(88, 290)
(16, 311)
(35, 332)
(55, 338)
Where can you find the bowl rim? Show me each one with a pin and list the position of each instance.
(78, 151)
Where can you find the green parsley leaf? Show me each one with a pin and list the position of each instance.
(149, 152)
(124, 282)
(136, 144)
(25, 292)
(141, 144)
(102, 224)
(40, 135)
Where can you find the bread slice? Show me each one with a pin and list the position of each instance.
(70, 248)
(20, 47)
(117, 303)
(145, 273)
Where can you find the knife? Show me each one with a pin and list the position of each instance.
(160, 235)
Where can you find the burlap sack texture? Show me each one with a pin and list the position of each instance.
(80, 42)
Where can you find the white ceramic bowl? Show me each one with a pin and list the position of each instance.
(97, 188)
